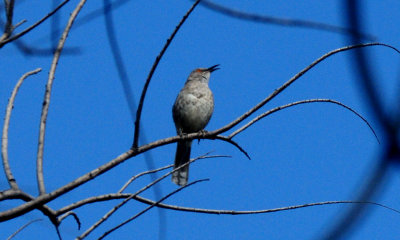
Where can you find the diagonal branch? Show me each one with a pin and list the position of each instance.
(297, 103)
(47, 95)
(4, 139)
(153, 69)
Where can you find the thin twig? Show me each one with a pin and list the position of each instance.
(46, 101)
(244, 212)
(290, 81)
(259, 117)
(149, 207)
(229, 140)
(7, 40)
(70, 213)
(19, 23)
(142, 174)
(282, 21)
(114, 196)
(22, 228)
(4, 139)
(153, 69)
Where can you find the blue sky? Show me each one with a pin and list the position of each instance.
(304, 154)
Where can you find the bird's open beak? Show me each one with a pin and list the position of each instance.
(213, 68)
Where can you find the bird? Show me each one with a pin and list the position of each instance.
(191, 113)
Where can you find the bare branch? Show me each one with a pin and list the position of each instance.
(297, 103)
(22, 228)
(6, 40)
(46, 101)
(234, 212)
(224, 212)
(4, 139)
(282, 21)
(148, 208)
(290, 81)
(153, 69)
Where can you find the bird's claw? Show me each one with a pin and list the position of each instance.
(203, 133)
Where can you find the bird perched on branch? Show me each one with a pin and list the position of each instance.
(191, 112)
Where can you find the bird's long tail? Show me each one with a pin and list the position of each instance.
(182, 156)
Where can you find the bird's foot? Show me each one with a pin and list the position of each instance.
(203, 132)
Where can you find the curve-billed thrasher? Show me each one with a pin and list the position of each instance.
(191, 112)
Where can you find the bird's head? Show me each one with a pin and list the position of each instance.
(202, 74)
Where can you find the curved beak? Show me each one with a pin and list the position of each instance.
(213, 68)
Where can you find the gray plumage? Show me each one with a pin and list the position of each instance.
(191, 112)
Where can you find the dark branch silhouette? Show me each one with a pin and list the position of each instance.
(283, 21)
